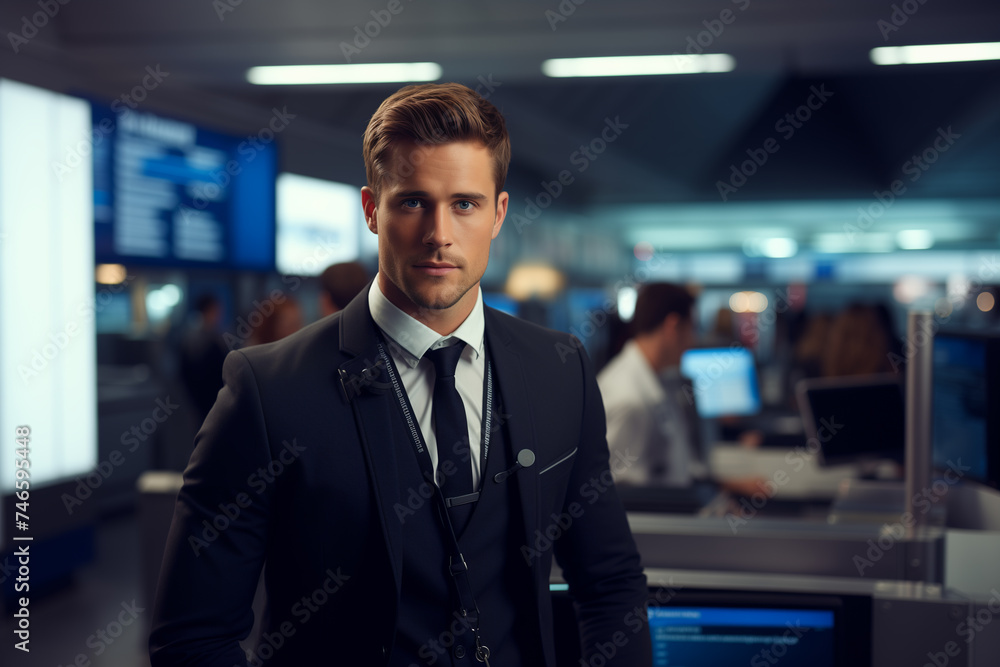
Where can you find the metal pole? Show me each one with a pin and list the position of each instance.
(919, 375)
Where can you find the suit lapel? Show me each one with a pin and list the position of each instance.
(363, 382)
(517, 417)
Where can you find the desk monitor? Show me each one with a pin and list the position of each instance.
(708, 628)
(724, 381)
(855, 419)
(966, 404)
(708, 636)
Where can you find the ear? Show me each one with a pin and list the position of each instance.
(502, 199)
(370, 207)
(670, 324)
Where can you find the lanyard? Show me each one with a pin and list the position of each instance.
(468, 608)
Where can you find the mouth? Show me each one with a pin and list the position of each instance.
(435, 268)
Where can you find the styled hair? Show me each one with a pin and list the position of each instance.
(656, 301)
(432, 114)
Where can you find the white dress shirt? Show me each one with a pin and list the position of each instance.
(412, 339)
(645, 425)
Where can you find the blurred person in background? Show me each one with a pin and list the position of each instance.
(859, 342)
(284, 320)
(339, 283)
(202, 353)
(649, 406)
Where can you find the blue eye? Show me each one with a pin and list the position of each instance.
(467, 205)
(411, 203)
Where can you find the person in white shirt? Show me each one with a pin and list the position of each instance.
(652, 425)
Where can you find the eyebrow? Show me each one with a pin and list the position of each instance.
(456, 195)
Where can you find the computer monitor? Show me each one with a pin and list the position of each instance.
(724, 381)
(966, 404)
(710, 627)
(696, 636)
(855, 419)
(319, 223)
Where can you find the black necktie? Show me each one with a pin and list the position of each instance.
(452, 431)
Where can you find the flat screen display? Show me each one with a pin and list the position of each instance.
(855, 419)
(319, 224)
(724, 381)
(48, 366)
(170, 193)
(712, 636)
(966, 405)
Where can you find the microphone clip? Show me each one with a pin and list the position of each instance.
(525, 459)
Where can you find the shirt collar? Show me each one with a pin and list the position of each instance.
(414, 338)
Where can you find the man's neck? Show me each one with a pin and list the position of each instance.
(444, 321)
(658, 358)
(650, 349)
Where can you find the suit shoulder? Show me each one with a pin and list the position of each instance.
(317, 341)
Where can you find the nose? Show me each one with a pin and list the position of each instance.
(439, 228)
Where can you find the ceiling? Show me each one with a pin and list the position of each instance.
(679, 138)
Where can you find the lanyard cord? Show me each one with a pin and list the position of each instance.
(459, 569)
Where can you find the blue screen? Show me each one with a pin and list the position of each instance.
(711, 636)
(960, 403)
(724, 379)
(169, 193)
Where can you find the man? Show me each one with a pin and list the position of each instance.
(650, 415)
(202, 355)
(320, 458)
(339, 283)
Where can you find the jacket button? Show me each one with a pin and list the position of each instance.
(459, 652)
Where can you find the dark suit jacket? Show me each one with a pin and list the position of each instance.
(286, 472)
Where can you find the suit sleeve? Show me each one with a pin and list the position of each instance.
(216, 547)
(597, 554)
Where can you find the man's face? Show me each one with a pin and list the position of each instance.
(435, 225)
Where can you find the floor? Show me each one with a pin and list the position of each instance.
(99, 620)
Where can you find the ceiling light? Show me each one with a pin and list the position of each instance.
(910, 288)
(915, 239)
(110, 274)
(841, 242)
(739, 302)
(286, 75)
(935, 53)
(626, 303)
(779, 247)
(529, 280)
(639, 65)
(985, 302)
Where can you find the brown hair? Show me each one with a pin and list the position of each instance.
(656, 301)
(429, 114)
(342, 282)
(857, 344)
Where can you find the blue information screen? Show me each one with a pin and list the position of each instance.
(170, 193)
(758, 637)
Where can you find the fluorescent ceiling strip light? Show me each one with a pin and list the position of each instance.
(638, 65)
(935, 53)
(286, 75)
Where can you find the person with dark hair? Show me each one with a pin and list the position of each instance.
(651, 420)
(283, 318)
(860, 341)
(339, 283)
(405, 470)
(202, 354)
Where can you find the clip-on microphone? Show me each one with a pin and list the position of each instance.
(525, 459)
